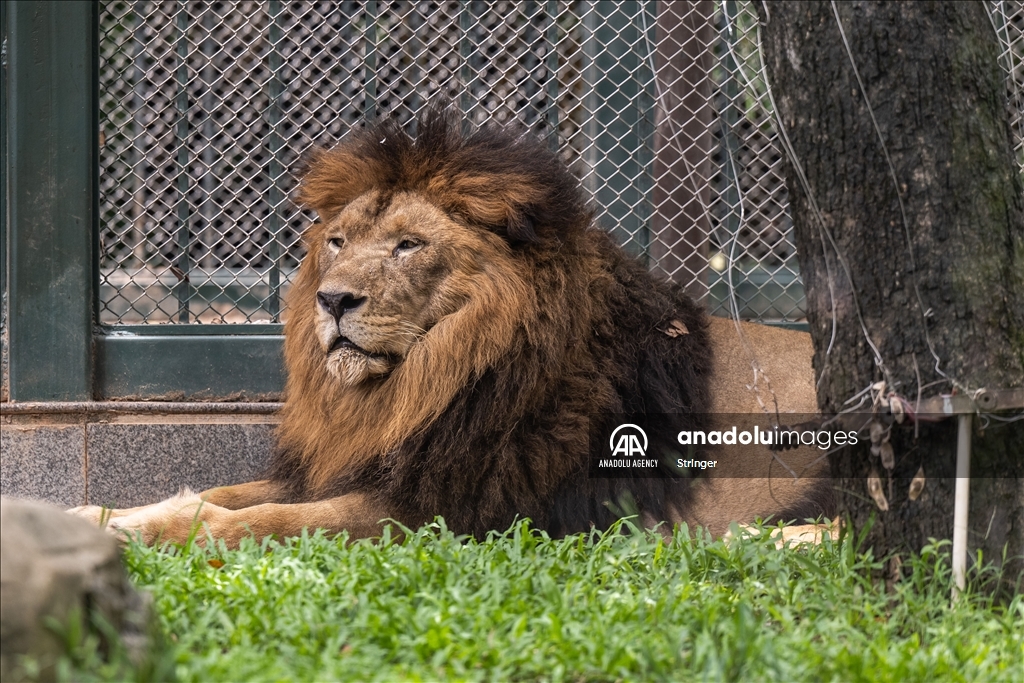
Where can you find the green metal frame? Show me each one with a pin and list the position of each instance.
(185, 362)
(3, 200)
(51, 119)
(58, 352)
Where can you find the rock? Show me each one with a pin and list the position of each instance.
(55, 565)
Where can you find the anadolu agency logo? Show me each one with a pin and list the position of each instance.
(628, 441)
(627, 454)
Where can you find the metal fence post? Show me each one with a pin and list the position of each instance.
(274, 170)
(618, 82)
(184, 237)
(52, 137)
(551, 66)
(4, 388)
(370, 61)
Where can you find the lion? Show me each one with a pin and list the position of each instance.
(457, 328)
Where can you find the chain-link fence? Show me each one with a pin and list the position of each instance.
(1008, 22)
(660, 107)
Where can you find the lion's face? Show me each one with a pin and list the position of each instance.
(389, 269)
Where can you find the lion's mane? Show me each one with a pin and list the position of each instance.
(490, 415)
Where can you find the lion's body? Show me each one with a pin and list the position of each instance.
(457, 328)
(763, 486)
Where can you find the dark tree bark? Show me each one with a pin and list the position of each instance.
(943, 276)
(682, 140)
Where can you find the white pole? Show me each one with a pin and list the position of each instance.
(961, 501)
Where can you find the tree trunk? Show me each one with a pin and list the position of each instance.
(682, 140)
(910, 233)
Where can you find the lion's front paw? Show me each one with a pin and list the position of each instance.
(168, 520)
(115, 522)
(93, 513)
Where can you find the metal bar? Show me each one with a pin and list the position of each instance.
(150, 330)
(139, 407)
(986, 400)
(616, 173)
(274, 150)
(184, 240)
(180, 367)
(734, 219)
(414, 73)
(137, 183)
(465, 54)
(52, 147)
(94, 177)
(588, 46)
(207, 183)
(4, 385)
(551, 63)
(370, 62)
(961, 503)
(644, 22)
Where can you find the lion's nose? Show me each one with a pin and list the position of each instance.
(338, 304)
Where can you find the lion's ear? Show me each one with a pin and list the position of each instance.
(330, 179)
(521, 227)
(375, 156)
(505, 204)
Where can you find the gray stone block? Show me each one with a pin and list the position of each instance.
(57, 566)
(138, 464)
(44, 463)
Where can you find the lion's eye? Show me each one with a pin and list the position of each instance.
(406, 245)
(336, 242)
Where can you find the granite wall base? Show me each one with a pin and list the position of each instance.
(128, 464)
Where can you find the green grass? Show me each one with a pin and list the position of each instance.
(613, 606)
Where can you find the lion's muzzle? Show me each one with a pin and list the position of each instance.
(349, 337)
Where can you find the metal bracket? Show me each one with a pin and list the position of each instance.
(984, 400)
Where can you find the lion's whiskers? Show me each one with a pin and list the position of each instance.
(410, 332)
